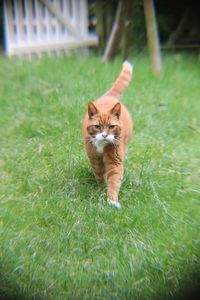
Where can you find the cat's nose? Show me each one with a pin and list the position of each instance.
(104, 135)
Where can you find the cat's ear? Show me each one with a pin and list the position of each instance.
(92, 110)
(116, 110)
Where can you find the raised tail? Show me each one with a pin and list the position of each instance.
(122, 81)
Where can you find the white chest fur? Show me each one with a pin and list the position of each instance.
(99, 141)
(100, 145)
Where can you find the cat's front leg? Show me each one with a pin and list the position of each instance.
(113, 177)
(98, 168)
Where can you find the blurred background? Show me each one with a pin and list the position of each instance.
(58, 238)
(115, 27)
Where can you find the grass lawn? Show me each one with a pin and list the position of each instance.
(58, 237)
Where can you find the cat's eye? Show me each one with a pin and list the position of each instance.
(97, 126)
(111, 126)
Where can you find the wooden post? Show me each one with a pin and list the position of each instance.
(108, 18)
(119, 38)
(126, 39)
(152, 36)
(114, 35)
(99, 28)
(181, 26)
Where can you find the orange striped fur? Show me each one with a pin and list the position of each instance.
(107, 130)
(122, 81)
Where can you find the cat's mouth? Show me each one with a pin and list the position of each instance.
(103, 141)
(100, 140)
(107, 140)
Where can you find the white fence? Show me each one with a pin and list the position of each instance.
(45, 26)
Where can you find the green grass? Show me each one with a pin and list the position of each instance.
(59, 239)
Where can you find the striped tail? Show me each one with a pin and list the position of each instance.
(122, 81)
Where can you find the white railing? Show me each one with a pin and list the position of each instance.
(45, 26)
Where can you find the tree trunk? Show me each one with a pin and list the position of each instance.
(152, 36)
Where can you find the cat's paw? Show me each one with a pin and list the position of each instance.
(114, 203)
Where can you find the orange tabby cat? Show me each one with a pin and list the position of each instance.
(107, 129)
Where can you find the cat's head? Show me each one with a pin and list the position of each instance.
(104, 127)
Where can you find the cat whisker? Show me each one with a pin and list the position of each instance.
(114, 142)
(89, 141)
